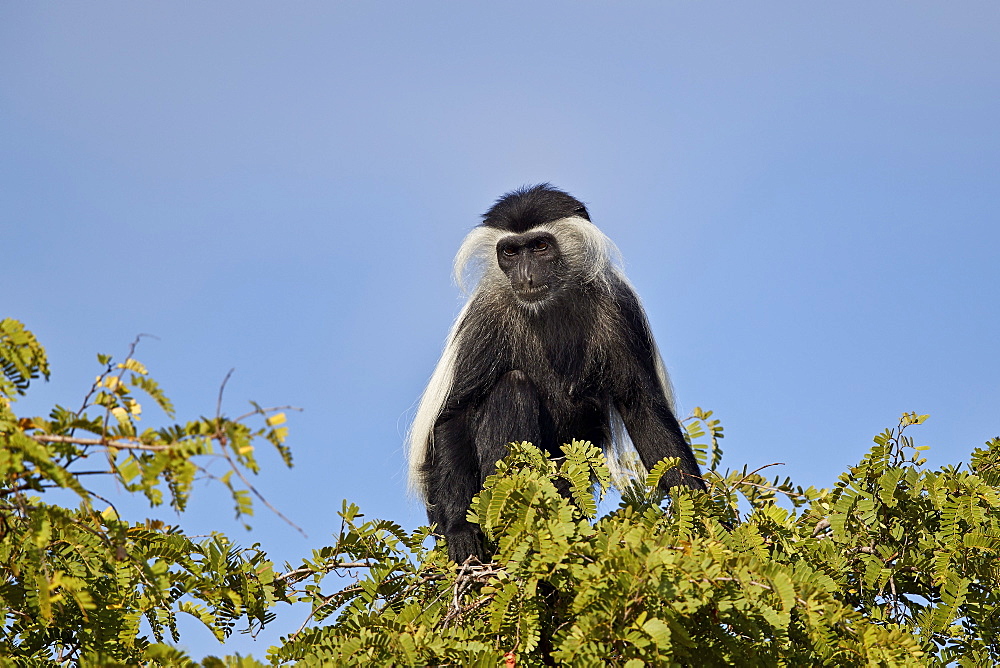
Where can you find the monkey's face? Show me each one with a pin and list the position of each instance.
(532, 263)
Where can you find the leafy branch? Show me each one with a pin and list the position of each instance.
(77, 583)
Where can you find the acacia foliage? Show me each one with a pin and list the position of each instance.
(894, 564)
(76, 583)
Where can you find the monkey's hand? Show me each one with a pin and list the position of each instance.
(465, 543)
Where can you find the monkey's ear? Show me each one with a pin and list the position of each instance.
(582, 212)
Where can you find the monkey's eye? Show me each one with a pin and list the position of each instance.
(508, 251)
(540, 246)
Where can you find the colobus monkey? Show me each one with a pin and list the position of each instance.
(553, 345)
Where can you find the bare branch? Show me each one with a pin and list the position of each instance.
(300, 573)
(102, 442)
(264, 411)
(758, 470)
(222, 389)
(239, 473)
(821, 526)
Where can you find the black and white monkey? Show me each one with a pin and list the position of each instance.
(553, 345)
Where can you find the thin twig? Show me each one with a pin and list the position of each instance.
(222, 388)
(239, 473)
(118, 515)
(121, 374)
(757, 470)
(460, 611)
(306, 571)
(20, 488)
(264, 411)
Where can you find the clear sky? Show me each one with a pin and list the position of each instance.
(806, 196)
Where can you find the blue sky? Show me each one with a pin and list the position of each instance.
(806, 196)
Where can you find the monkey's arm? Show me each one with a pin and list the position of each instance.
(656, 434)
(451, 475)
(641, 399)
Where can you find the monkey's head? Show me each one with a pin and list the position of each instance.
(536, 244)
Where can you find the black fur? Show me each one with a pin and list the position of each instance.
(543, 365)
(528, 207)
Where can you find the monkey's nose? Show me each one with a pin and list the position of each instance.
(524, 280)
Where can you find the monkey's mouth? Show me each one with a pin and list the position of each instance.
(532, 294)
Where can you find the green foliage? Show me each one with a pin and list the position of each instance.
(894, 565)
(77, 583)
(22, 359)
(697, 426)
(918, 549)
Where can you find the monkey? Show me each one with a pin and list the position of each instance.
(552, 345)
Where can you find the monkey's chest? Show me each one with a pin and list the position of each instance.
(567, 388)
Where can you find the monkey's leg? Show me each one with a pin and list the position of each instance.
(510, 414)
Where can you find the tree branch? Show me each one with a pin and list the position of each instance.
(103, 442)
